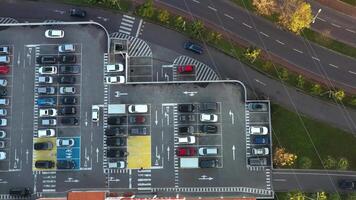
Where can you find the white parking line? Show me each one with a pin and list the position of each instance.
(332, 65)
(246, 25)
(229, 16)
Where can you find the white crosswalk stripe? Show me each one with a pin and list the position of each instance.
(8, 20)
(202, 71)
(264, 192)
(51, 21)
(137, 47)
(126, 24)
(144, 179)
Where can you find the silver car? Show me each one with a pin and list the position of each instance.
(3, 122)
(2, 134)
(3, 82)
(3, 112)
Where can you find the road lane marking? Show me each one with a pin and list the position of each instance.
(349, 30)
(352, 72)
(196, 1)
(280, 179)
(280, 42)
(246, 25)
(260, 82)
(321, 19)
(262, 33)
(315, 58)
(229, 16)
(333, 65)
(139, 28)
(212, 8)
(299, 51)
(336, 25)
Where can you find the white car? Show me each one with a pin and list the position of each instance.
(3, 122)
(3, 112)
(2, 134)
(3, 82)
(119, 164)
(186, 140)
(260, 151)
(115, 79)
(115, 68)
(208, 117)
(65, 142)
(2, 155)
(67, 90)
(46, 133)
(64, 48)
(45, 79)
(54, 33)
(95, 110)
(48, 112)
(258, 130)
(208, 151)
(48, 70)
(138, 108)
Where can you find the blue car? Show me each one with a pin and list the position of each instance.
(47, 101)
(196, 48)
(260, 139)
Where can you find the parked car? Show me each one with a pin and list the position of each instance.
(48, 122)
(2, 144)
(4, 69)
(185, 140)
(257, 161)
(189, 118)
(68, 100)
(209, 163)
(4, 101)
(46, 90)
(68, 110)
(114, 79)
(138, 108)
(67, 80)
(48, 112)
(67, 90)
(138, 131)
(69, 69)
(48, 70)
(114, 131)
(137, 119)
(2, 134)
(186, 151)
(258, 130)
(68, 142)
(183, 69)
(3, 82)
(54, 34)
(185, 107)
(22, 192)
(208, 107)
(65, 164)
(208, 151)
(67, 59)
(3, 122)
(46, 133)
(115, 141)
(45, 79)
(5, 50)
(208, 117)
(196, 48)
(3, 112)
(46, 59)
(95, 113)
(209, 128)
(115, 68)
(347, 184)
(260, 139)
(116, 153)
(116, 120)
(183, 130)
(2, 155)
(70, 121)
(44, 164)
(117, 164)
(257, 107)
(46, 101)
(47, 145)
(260, 151)
(76, 12)
(66, 48)
(4, 59)
(3, 91)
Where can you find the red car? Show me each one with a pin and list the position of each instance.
(186, 151)
(186, 69)
(4, 69)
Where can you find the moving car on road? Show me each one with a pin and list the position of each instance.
(196, 48)
(76, 12)
(347, 184)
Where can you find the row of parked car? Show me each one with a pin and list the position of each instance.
(115, 68)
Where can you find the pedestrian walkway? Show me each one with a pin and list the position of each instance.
(126, 24)
(8, 20)
(202, 71)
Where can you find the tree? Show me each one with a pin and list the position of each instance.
(296, 195)
(300, 81)
(252, 54)
(146, 9)
(163, 16)
(339, 95)
(197, 28)
(265, 7)
(334, 196)
(283, 158)
(343, 164)
(330, 162)
(304, 162)
(316, 89)
(179, 21)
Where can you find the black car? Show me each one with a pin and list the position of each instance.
(347, 184)
(75, 12)
(211, 163)
(185, 107)
(3, 91)
(116, 120)
(69, 69)
(116, 131)
(46, 59)
(24, 192)
(67, 59)
(187, 118)
(67, 80)
(43, 146)
(138, 119)
(116, 153)
(208, 129)
(70, 110)
(70, 121)
(115, 141)
(65, 164)
(138, 131)
(68, 100)
(186, 130)
(44, 164)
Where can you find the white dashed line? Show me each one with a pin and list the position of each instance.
(315, 58)
(349, 30)
(229, 16)
(321, 19)
(246, 25)
(336, 25)
(280, 42)
(196, 1)
(262, 33)
(260, 82)
(212, 8)
(299, 51)
(334, 66)
(352, 72)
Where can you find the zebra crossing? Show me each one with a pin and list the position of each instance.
(105, 112)
(144, 180)
(268, 179)
(8, 20)
(51, 21)
(117, 171)
(202, 71)
(248, 138)
(176, 165)
(8, 197)
(136, 46)
(49, 181)
(126, 24)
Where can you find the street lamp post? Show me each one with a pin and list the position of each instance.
(316, 15)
